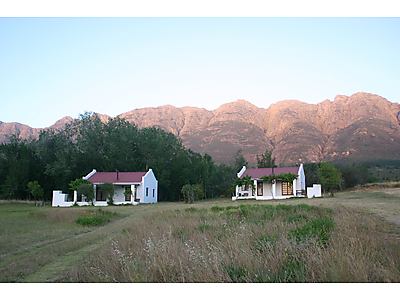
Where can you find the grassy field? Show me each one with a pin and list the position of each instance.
(352, 237)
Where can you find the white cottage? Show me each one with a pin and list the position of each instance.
(278, 189)
(129, 188)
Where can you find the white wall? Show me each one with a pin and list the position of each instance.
(278, 190)
(267, 189)
(139, 193)
(60, 200)
(301, 179)
(119, 196)
(150, 182)
(314, 191)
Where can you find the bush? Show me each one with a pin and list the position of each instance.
(35, 189)
(330, 176)
(75, 184)
(108, 191)
(86, 190)
(192, 192)
(96, 218)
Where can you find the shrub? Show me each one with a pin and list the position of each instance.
(330, 176)
(75, 184)
(87, 190)
(35, 189)
(192, 192)
(108, 191)
(95, 218)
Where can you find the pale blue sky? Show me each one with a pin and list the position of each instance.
(54, 67)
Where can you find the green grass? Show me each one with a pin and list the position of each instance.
(264, 242)
(217, 241)
(95, 218)
(319, 228)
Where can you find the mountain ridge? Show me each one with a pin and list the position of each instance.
(358, 126)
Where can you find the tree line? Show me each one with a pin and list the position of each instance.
(59, 157)
(34, 168)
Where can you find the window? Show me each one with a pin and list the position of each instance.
(259, 188)
(147, 192)
(100, 196)
(287, 188)
(153, 193)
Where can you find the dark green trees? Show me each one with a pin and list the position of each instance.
(60, 156)
(330, 177)
(266, 160)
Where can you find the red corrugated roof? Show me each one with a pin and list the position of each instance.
(257, 173)
(111, 177)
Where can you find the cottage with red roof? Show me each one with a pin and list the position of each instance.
(129, 188)
(270, 183)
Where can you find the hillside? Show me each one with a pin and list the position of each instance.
(361, 126)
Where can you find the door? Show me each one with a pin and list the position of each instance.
(128, 193)
(259, 188)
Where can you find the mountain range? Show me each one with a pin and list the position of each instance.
(362, 126)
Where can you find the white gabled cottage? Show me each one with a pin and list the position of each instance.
(278, 189)
(129, 188)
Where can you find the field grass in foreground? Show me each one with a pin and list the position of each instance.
(32, 237)
(248, 243)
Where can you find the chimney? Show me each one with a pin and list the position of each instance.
(117, 174)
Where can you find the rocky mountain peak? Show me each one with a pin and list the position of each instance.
(360, 126)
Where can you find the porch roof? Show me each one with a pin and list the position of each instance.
(257, 173)
(116, 177)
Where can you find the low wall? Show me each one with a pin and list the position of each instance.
(314, 191)
(61, 200)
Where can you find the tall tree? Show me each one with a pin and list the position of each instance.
(330, 177)
(239, 161)
(266, 160)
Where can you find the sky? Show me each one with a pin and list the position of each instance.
(53, 67)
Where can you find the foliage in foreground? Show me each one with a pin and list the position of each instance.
(248, 243)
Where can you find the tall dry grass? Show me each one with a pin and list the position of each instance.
(259, 243)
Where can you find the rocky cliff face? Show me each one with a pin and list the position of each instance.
(361, 126)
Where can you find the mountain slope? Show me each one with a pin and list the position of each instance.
(361, 126)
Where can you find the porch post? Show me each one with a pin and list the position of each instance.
(255, 188)
(273, 189)
(236, 191)
(94, 191)
(132, 192)
(294, 187)
(75, 196)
